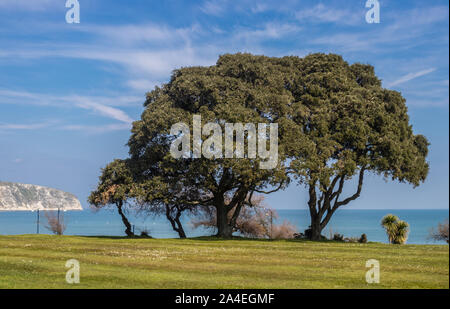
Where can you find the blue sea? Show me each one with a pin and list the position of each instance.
(349, 222)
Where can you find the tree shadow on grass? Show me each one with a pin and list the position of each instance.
(199, 238)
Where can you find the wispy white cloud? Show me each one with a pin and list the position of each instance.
(27, 126)
(104, 110)
(100, 105)
(422, 16)
(429, 102)
(151, 51)
(214, 7)
(97, 129)
(321, 13)
(396, 30)
(35, 5)
(268, 31)
(411, 76)
(142, 84)
(140, 33)
(97, 105)
(34, 98)
(54, 125)
(259, 8)
(158, 62)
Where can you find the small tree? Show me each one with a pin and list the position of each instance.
(441, 234)
(158, 198)
(285, 230)
(363, 239)
(55, 222)
(114, 188)
(396, 229)
(388, 223)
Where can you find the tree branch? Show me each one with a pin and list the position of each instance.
(236, 213)
(238, 197)
(358, 190)
(272, 191)
(341, 186)
(337, 204)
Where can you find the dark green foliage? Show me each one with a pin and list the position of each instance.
(396, 229)
(335, 122)
(363, 239)
(240, 88)
(349, 126)
(115, 188)
(338, 237)
(145, 234)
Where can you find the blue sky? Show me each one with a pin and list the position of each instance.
(69, 92)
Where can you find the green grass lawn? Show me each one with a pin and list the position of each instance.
(38, 261)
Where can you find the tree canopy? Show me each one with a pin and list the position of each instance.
(115, 187)
(350, 125)
(238, 89)
(335, 121)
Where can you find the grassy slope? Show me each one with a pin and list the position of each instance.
(38, 261)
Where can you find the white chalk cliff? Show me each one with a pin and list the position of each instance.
(23, 197)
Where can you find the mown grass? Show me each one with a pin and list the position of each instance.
(38, 261)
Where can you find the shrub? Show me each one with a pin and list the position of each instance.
(308, 233)
(363, 239)
(441, 234)
(145, 233)
(396, 229)
(283, 231)
(54, 223)
(402, 231)
(254, 221)
(338, 237)
(299, 236)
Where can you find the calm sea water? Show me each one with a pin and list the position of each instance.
(350, 223)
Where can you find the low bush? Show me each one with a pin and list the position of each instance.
(363, 239)
(338, 237)
(283, 231)
(55, 222)
(441, 233)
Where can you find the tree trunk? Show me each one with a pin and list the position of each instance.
(180, 229)
(316, 230)
(125, 221)
(177, 226)
(322, 206)
(314, 214)
(224, 229)
(175, 222)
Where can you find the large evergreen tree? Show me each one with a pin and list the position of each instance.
(239, 89)
(351, 125)
(335, 122)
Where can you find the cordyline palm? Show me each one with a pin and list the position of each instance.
(402, 229)
(396, 229)
(389, 224)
